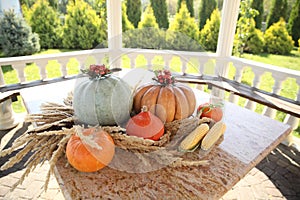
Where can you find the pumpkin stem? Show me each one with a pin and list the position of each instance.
(144, 109)
(164, 77)
(87, 140)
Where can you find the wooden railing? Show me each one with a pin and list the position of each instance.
(196, 63)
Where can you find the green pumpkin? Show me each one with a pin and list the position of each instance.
(106, 101)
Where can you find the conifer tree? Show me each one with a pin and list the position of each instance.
(160, 12)
(148, 19)
(184, 23)
(126, 24)
(16, 36)
(183, 32)
(147, 36)
(189, 5)
(210, 32)
(278, 40)
(205, 10)
(83, 29)
(277, 11)
(134, 11)
(247, 37)
(294, 23)
(45, 22)
(259, 6)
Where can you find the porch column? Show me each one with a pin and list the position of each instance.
(114, 25)
(229, 18)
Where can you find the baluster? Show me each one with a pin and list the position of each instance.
(270, 112)
(184, 63)
(20, 71)
(132, 61)
(292, 121)
(42, 67)
(238, 77)
(220, 69)
(81, 62)
(7, 119)
(99, 59)
(149, 61)
(63, 66)
(2, 82)
(201, 72)
(251, 105)
(167, 60)
(201, 65)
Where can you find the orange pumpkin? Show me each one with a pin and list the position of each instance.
(145, 125)
(166, 99)
(90, 150)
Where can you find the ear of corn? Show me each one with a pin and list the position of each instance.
(192, 140)
(213, 135)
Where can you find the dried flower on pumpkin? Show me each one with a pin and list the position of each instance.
(164, 77)
(99, 71)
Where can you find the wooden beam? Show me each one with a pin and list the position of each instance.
(271, 100)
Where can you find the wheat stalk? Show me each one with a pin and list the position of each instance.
(55, 156)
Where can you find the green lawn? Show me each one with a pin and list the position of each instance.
(290, 87)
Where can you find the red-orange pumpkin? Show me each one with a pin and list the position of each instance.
(166, 99)
(90, 152)
(145, 125)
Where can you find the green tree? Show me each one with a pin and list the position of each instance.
(83, 29)
(189, 4)
(259, 6)
(210, 32)
(160, 12)
(134, 11)
(28, 3)
(278, 40)
(247, 38)
(53, 4)
(277, 11)
(183, 33)
(205, 10)
(184, 23)
(27, 12)
(45, 22)
(126, 24)
(16, 36)
(147, 35)
(148, 19)
(99, 6)
(293, 25)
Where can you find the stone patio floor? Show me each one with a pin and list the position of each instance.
(275, 177)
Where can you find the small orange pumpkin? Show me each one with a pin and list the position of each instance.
(166, 99)
(90, 150)
(145, 125)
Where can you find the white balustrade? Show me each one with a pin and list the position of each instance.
(279, 74)
(19, 63)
